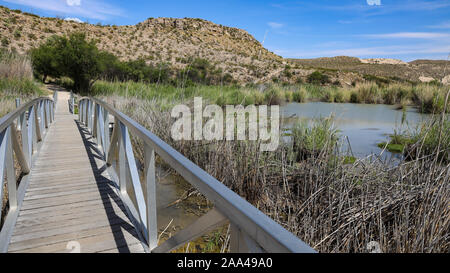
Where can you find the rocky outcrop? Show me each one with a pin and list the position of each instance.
(446, 80)
(426, 79)
(382, 61)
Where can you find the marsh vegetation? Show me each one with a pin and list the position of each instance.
(334, 202)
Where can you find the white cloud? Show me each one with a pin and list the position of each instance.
(74, 19)
(374, 2)
(275, 25)
(409, 35)
(73, 2)
(94, 9)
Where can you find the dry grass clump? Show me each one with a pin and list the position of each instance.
(431, 98)
(14, 66)
(330, 204)
(16, 80)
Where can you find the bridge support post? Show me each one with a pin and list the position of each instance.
(150, 177)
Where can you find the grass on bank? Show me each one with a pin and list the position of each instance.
(16, 81)
(428, 98)
(431, 137)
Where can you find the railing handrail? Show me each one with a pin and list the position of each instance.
(263, 230)
(7, 119)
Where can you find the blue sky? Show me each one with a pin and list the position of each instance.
(402, 29)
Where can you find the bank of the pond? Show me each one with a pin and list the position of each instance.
(427, 98)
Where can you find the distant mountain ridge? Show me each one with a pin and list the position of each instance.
(381, 67)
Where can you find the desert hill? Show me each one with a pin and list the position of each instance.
(156, 40)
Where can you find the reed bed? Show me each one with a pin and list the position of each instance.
(16, 80)
(428, 98)
(332, 205)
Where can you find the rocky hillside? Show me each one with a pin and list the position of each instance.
(156, 40)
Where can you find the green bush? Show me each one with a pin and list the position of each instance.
(318, 78)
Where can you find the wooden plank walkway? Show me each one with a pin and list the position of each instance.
(70, 197)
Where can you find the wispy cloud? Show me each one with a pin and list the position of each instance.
(408, 35)
(275, 25)
(94, 9)
(370, 7)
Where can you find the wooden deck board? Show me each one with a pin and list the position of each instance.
(70, 197)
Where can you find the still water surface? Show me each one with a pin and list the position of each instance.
(365, 125)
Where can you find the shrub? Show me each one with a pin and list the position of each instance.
(5, 41)
(318, 78)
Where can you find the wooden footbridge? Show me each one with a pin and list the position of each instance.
(73, 186)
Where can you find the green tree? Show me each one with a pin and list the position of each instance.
(74, 57)
(79, 60)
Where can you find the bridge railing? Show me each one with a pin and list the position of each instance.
(71, 103)
(251, 230)
(21, 134)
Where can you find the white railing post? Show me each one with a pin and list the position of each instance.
(19, 121)
(122, 163)
(106, 139)
(37, 125)
(150, 177)
(10, 173)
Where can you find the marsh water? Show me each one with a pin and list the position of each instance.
(365, 125)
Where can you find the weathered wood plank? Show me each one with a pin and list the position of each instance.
(33, 243)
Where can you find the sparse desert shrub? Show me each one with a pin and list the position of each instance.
(5, 41)
(318, 77)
